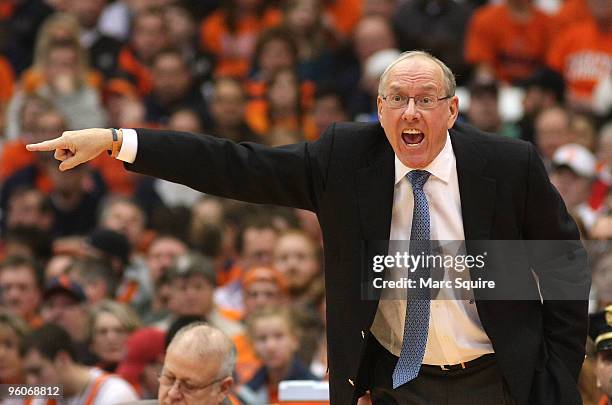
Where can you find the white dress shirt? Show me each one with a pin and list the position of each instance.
(455, 332)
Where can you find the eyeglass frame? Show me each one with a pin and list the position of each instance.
(416, 103)
(187, 389)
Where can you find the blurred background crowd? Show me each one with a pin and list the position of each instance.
(120, 261)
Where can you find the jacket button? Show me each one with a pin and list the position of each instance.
(351, 382)
(362, 334)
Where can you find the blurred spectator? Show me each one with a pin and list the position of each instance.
(263, 287)
(228, 110)
(544, 89)
(275, 50)
(329, 107)
(507, 41)
(50, 359)
(254, 244)
(14, 155)
(314, 42)
(21, 282)
(603, 184)
(162, 254)
(143, 361)
(61, 73)
(275, 339)
(173, 87)
(483, 112)
(192, 281)
(371, 34)
(12, 333)
(552, 130)
(284, 110)
(31, 208)
(110, 324)
(64, 304)
(573, 174)
(28, 241)
(570, 13)
(583, 131)
(297, 257)
(123, 215)
(230, 33)
(438, 26)
(602, 229)
(103, 50)
(109, 246)
(148, 37)
(583, 54)
(98, 279)
(201, 359)
(183, 35)
(600, 331)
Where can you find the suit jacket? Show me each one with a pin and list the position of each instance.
(347, 178)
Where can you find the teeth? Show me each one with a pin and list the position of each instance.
(411, 131)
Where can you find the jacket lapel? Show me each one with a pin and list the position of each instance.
(476, 190)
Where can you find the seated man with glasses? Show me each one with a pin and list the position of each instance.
(197, 369)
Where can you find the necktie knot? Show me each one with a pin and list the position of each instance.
(418, 178)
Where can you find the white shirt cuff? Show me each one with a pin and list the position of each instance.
(129, 146)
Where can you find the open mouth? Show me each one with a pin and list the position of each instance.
(412, 137)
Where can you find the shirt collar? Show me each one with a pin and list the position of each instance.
(440, 167)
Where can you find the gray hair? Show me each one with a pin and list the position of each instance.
(208, 341)
(449, 78)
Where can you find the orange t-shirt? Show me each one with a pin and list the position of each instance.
(7, 80)
(583, 55)
(512, 48)
(234, 50)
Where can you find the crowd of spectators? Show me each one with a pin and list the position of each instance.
(99, 267)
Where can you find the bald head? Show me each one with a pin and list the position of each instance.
(207, 342)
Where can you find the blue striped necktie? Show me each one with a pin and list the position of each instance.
(416, 324)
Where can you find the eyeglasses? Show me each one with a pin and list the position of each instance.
(184, 387)
(423, 102)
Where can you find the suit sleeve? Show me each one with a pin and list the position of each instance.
(292, 175)
(560, 262)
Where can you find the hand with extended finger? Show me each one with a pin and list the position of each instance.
(76, 147)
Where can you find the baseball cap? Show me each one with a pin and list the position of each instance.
(144, 346)
(64, 284)
(575, 157)
(111, 243)
(600, 328)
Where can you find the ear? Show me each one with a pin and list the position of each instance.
(379, 107)
(453, 106)
(226, 384)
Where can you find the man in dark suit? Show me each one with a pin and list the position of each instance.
(416, 175)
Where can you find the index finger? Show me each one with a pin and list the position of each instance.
(44, 146)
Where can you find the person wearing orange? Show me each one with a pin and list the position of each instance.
(230, 33)
(7, 80)
(570, 13)
(507, 41)
(276, 340)
(149, 36)
(49, 360)
(263, 287)
(583, 54)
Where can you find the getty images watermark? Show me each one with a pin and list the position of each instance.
(475, 269)
(421, 263)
